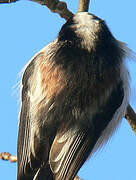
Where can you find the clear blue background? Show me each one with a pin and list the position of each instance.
(25, 28)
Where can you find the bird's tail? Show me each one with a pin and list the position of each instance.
(44, 173)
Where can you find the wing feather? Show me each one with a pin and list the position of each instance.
(24, 137)
(35, 89)
(63, 150)
(71, 148)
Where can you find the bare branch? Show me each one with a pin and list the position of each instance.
(55, 6)
(77, 178)
(83, 5)
(131, 117)
(7, 156)
(7, 1)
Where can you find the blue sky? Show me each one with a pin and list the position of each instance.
(25, 28)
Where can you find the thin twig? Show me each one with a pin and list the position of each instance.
(59, 7)
(7, 156)
(131, 117)
(7, 1)
(77, 178)
(83, 5)
(55, 6)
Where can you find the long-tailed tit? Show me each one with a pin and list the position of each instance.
(74, 94)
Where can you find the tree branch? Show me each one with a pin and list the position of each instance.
(131, 117)
(7, 156)
(83, 5)
(55, 6)
(7, 1)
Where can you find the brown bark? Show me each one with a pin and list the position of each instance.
(55, 6)
(7, 1)
(83, 5)
(131, 117)
(7, 156)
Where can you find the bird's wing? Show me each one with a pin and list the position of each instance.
(24, 124)
(25, 135)
(71, 148)
(42, 80)
(68, 153)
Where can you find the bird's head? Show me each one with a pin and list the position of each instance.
(86, 31)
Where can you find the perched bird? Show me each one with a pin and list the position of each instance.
(74, 94)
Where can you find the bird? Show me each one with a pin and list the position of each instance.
(75, 92)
